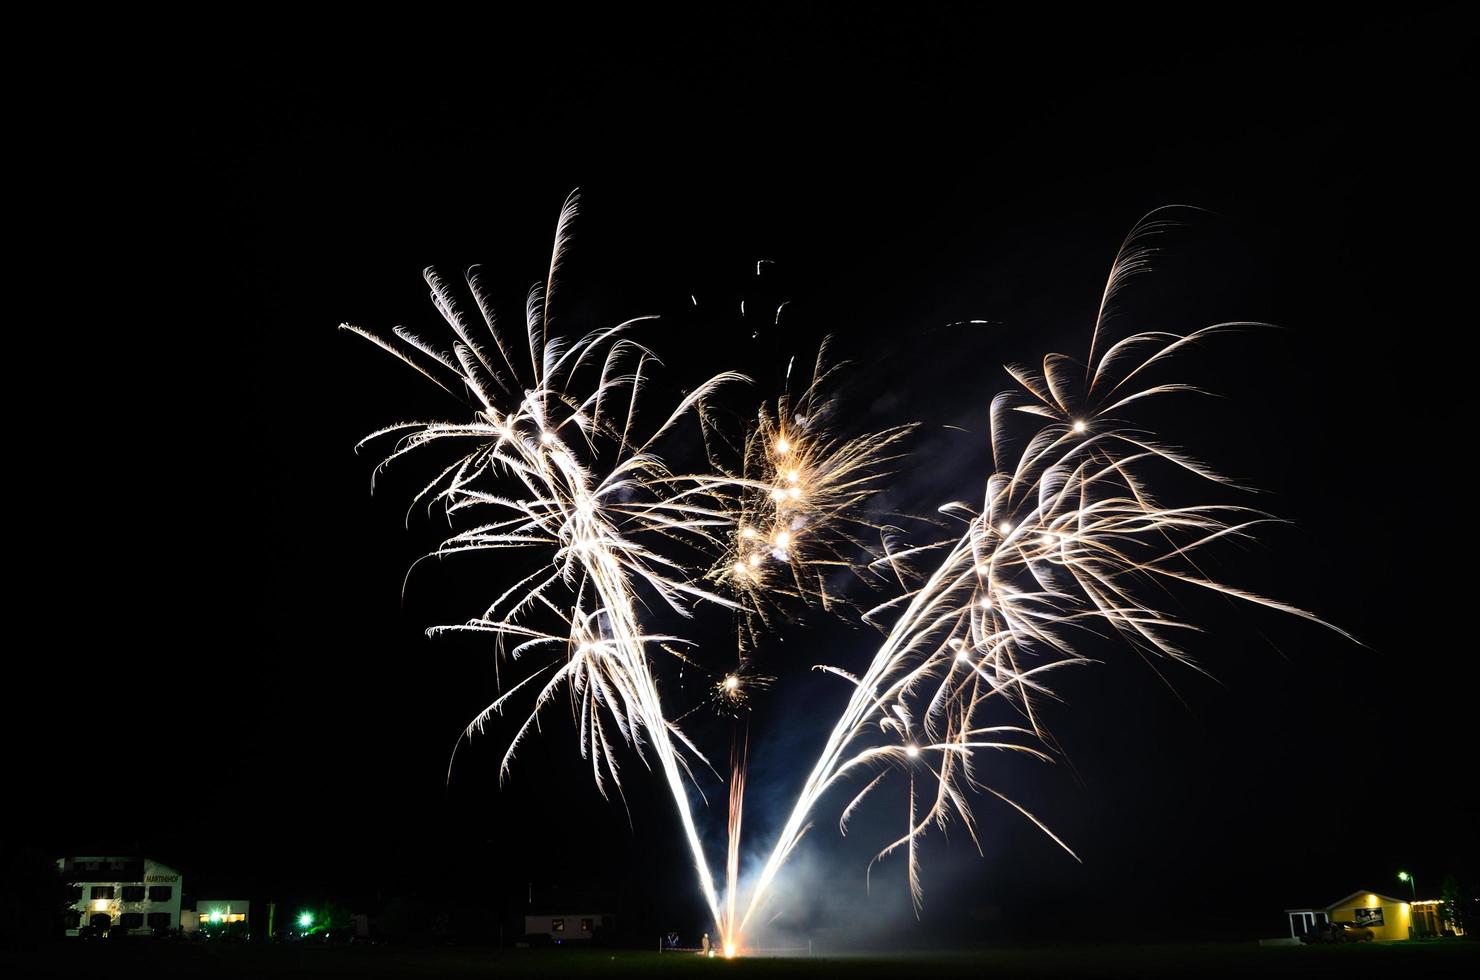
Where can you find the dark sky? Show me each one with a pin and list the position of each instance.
(220, 669)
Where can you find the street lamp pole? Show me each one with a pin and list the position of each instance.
(1413, 891)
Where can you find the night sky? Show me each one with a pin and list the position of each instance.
(218, 666)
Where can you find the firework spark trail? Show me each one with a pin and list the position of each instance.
(1068, 535)
(729, 931)
(593, 522)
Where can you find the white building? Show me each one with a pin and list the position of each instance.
(137, 894)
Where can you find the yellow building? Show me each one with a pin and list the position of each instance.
(1388, 918)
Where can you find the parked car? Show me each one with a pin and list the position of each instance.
(1340, 932)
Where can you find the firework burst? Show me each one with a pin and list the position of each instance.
(1069, 539)
(552, 460)
(800, 504)
(1069, 536)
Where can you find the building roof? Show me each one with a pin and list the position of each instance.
(1355, 894)
(113, 868)
(1364, 891)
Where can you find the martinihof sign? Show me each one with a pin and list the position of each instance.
(161, 877)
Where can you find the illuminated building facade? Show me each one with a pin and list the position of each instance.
(216, 914)
(1431, 918)
(1388, 918)
(136, 894)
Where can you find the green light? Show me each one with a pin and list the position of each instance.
(306, 919)
(1403, 876)
(215, 916)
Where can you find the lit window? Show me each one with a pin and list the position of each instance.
(585, 925)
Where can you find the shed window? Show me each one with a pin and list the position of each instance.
(557, 925)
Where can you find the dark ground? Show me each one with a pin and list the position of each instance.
(1441, 958)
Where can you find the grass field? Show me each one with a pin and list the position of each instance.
(105, 959)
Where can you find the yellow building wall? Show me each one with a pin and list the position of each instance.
(1396, 916)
